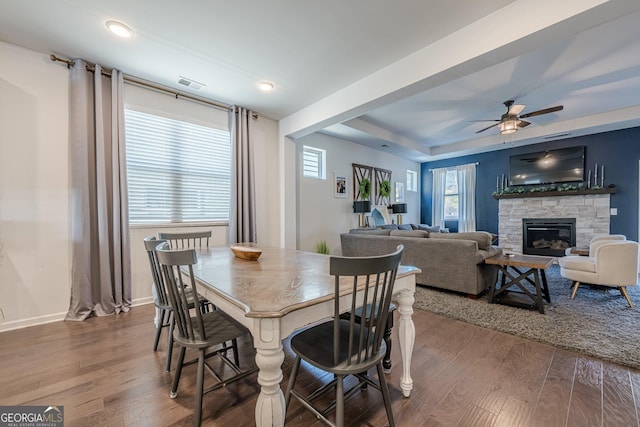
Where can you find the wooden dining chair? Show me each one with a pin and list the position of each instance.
(164, 318)
(187, 239)
(207, 333)
(350, 346)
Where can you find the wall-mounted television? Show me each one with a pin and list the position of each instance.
(547, 167)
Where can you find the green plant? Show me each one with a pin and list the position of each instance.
(385, 188)
(321, 247)
(365, 188)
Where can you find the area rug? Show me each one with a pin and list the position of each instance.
(598, 322)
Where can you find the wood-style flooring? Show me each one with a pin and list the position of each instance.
(104, 372)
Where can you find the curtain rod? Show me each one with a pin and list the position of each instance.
(451, 167)
(144, 83)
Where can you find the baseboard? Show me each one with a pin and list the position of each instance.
(55, 317)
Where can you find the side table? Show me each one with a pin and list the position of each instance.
(527, 274)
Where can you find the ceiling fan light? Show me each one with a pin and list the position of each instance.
(508, 126)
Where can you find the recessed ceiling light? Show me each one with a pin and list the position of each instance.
(265, 86)
(119, 29)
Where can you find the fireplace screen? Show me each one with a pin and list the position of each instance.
(548, 236)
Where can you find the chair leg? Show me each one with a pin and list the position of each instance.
(385, 395)
(176, 378)
(623, 291)
(339, 401)
(236, 357)
(575, 289)
(197, 418)
(292, 381)
(172, 323)
(386, 362)
(159, 327)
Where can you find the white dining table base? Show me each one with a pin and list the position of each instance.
(268, 334)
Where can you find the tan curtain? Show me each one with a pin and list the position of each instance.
(101, 265)
(242, 215)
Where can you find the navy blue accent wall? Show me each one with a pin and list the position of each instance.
(618, 151)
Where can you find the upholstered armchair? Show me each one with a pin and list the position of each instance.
(597, 238)
(612, 263)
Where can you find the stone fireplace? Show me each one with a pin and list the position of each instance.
(590, 211)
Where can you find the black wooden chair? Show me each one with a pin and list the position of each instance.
(161, 300)
(201, 331)
(350, 346)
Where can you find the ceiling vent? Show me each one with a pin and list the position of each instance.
(191, 84)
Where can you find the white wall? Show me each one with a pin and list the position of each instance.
(321, 216)
(35, 245)
(34, 188)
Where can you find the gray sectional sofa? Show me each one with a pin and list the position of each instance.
(453, 261)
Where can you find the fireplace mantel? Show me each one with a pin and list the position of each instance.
(555, 193)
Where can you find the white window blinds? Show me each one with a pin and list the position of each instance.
(313, 162)
(178, 172)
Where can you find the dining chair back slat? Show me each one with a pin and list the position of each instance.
(187, 239)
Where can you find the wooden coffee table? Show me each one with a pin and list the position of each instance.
(527, 274)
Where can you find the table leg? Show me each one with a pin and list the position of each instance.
(538, 295)
(545, 287)
(270, 407)
(406, 338)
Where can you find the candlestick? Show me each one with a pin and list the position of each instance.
(595, 175)
(497, 184)
(602, 177)
(589, 179)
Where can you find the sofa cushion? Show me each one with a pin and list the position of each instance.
(579, 263)
(375, 231)
(482, 237)
(411, 233)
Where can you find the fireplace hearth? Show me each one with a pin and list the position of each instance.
(548, 236)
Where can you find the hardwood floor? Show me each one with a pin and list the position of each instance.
(104, 372)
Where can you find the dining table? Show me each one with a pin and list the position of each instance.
(282, 291)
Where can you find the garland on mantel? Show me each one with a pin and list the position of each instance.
(543, 188)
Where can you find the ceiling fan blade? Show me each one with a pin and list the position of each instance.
(523, 123)
(487, 120)
(540, 112)
(489, 127)
(515, 109)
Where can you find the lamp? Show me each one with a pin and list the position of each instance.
(399, 208)
(508, 126)
(360, 207)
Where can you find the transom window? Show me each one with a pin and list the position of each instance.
(314, 162)
(177, 171)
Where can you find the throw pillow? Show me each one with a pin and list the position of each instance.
(430, 229)
(389, 226)
(406, 227)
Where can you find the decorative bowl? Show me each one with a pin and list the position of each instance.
(246, 252)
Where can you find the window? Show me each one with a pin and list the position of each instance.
(177, 171)
(313, 162)
(412, 180)
(451, 201)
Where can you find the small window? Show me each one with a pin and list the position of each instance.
(412, 180)
(451, 196)
(314, 162)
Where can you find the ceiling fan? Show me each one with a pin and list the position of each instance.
(511, 121)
